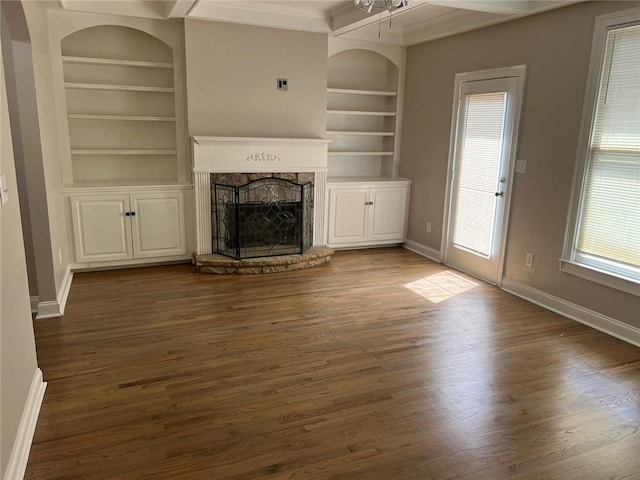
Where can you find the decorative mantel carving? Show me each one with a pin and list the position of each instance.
(263, 157)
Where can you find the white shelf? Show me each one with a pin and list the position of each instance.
(130, 151)
(367, 180)
(115, 62)
(344, 133)
(360, 112)
(360, 154)
(362, 92)
(133, 118)
(129, 88)
(150, 184)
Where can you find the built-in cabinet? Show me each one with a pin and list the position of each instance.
(367, 201)
(111, 227)
(127, 179)
(362, 214)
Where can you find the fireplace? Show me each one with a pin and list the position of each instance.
(266, 217)
(216, 159)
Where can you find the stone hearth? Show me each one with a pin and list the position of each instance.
(220, 264)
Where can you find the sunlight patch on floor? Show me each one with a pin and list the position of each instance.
(440, 286)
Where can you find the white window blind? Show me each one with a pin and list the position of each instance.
(609, 223)
(478, 171)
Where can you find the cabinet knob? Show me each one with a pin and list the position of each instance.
(368, 203)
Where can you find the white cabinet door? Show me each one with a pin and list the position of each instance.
(347, 209)
(387, 213)
(158, 224)
(101, 229)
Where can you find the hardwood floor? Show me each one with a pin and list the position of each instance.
(337, 372)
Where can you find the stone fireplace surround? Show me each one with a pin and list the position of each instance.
(251, 155)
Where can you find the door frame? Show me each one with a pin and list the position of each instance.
(519, 72)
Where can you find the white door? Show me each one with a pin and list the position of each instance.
(101, 228)
(347, 210)
(387, 211)
(158, 224)
(485, 132)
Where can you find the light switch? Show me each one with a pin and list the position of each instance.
(4, 189)
(521, 166)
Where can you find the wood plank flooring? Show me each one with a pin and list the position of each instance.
(338, 372)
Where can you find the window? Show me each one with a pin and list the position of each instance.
(603, 241)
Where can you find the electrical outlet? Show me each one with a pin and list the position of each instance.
(282, 84)
(428, 227)
(528, 260)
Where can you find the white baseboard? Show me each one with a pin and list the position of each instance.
(55, 308)
(50, 309)
(63, 291)
(34, 304)
(575, 312)
(132, 263)
(420, 249)
(22, 444)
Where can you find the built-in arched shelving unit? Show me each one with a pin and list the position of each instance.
(121, 107)
(362, 101)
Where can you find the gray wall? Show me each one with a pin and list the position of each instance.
(556, 47)
(29, 167)
(231, 80)
(17, 347)
(21, 174)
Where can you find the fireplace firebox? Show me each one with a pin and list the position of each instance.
(263, 218)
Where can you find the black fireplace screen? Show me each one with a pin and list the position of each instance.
(266, 217)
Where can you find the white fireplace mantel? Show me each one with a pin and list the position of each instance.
(256, 155)
(259, 155)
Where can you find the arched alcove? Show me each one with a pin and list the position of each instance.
(119, 91)
(117, 42)
(362, 69)
(361, 114)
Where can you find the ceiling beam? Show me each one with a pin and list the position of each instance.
(458, 21)
(126, 9)
(178, 8)
(501, 7)
(289, 20)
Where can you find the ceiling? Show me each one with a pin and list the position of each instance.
(419, 21)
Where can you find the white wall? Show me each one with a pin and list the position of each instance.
(231, 80)
(17, 345)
